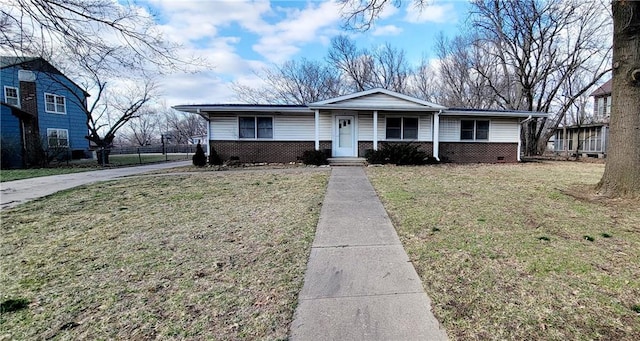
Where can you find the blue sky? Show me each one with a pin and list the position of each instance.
(239, 37)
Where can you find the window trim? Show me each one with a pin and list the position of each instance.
(475, 130)
(55, 104)
(7, 87)
(49, 130)
(402, 137)
(255, 127)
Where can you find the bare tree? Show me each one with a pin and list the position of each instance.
(423, 82)
(622, 172)
(390, 68)
(362, 69)
(355, 67)
(293, 82)
(360, 15)
(46, 28)
(113, 109)
(538, 46)
(182, 127)
(143, 130)
(462, 72)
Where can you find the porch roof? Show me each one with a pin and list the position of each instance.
(491, 112)
(376, 99)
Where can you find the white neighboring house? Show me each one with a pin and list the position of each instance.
(347, 126)
(588, 139)
(202, 139)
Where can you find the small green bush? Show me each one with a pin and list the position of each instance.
(199, 159)
(314, 157)
(398, 154)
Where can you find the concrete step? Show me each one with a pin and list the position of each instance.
(347, 161)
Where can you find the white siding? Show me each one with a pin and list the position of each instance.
(294, 128)
(449, 129)
(424, 128)
(500, 130)
(503, 130)
(224, 128)
(382, 127)
(365, 127)
(325, 126)
(379, 100)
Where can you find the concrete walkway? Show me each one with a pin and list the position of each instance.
(359, 283)
(13, 193)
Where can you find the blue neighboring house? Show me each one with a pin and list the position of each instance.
(43, 113)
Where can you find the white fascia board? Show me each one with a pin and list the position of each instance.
(370, 108)
(325, 103)
(524, 114)
(345, 97)
(242, 109)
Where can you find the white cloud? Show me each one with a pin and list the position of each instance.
(387, 30)
(431, 13)
(388, 11)
(193, 20)
(285, 38)
(199, 88)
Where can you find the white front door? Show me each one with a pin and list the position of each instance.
(344, 136)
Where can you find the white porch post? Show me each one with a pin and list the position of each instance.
(436, 135)
(317, 129)
(208, 142)
(520, 136)
(375, 130)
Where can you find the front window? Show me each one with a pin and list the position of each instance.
(559, 140)
(474, 130)
(255, 127)
(57, 138)
(11, 96)
(394, 128)
(402, 128)
(55, 104)
(603, 106)
(467, 130)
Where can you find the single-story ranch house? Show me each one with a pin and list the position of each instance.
(347, 126)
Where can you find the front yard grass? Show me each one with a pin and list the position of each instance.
(505, 252)
(194, 256)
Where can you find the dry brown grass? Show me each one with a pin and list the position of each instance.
(504, 253)
(198, 256)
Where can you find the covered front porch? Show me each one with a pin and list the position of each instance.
(359, 122)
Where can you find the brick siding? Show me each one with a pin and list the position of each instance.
(265, 151)
(291, 151)
(464, 152)
(426, 147)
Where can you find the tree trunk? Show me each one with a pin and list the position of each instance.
(103, 156)
(622, 172)
(530, 140)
